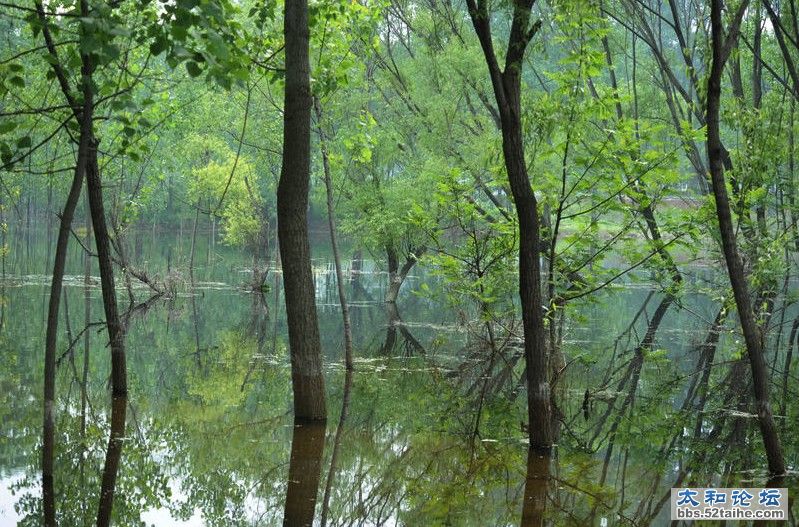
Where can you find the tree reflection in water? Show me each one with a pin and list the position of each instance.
(331, 474)
(211, 443)
(112, 458)
(536, 485)
(305, 466)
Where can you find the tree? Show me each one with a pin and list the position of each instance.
(292, 218)
(83, 115)
(506, 83)
(722, 43)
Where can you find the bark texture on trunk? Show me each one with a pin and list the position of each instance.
(506, 83)
(116, 334)
(292, 207)
(752, 333)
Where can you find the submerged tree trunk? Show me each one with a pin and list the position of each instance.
(507, 91)
(752, 333)
(292, 209)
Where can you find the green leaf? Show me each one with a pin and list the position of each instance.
(159, 45)
(7, 126)
(24, 142)
(194, 69)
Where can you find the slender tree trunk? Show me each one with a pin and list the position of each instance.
(194, 242)
(331, 222)
(791, 185)
(538, 391)
(507, 91)
(752, 333)
(119, 244)
(394, 282)
(49, 214)
(3, 252)
(292, 212)
(786, 370)
(119, 387)
(51, 335)
(116, 335)
(210, 236)
(87, 313)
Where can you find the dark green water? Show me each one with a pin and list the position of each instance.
(209, 424)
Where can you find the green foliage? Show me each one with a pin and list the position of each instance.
(189, 121)
(224, 182)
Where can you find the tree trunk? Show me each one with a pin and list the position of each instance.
(397, 274)
(331, 221)
(292, 210)
(59, 265)
(87, 313)
(392, 260)
(51, 335)
(194, 242)
(538, 392)
(507, 91)
(116, 335)
(752, 333)
(119, 388)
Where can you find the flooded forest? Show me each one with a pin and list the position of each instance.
(396, 262)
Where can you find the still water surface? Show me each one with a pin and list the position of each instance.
(209, 424)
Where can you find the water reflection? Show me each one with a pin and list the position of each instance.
(338, 438)
(212, 442)
(409, 345)
(536, 486)
(113, 455)
(305, 466)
